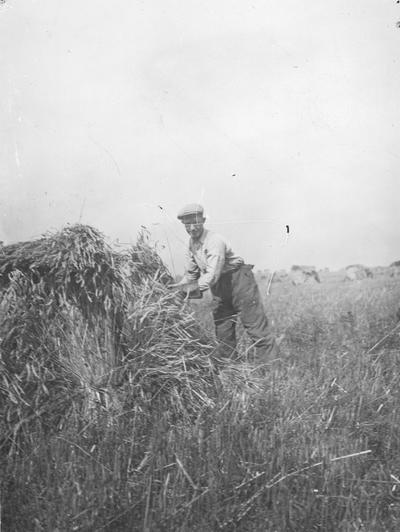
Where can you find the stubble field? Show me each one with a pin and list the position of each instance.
(325, 420)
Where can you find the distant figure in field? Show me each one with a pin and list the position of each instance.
(213, 265)
(303, 274)
(356, 272)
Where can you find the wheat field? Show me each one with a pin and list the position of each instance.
(124, 419)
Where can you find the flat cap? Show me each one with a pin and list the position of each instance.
(192, 209)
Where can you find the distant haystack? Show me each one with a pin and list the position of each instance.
(394, 269)
(323, 274)
(379, 271)
(270, 276)
(356, 272)
(280, 276)
(304, 274)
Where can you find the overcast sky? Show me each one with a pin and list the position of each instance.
(269, 112)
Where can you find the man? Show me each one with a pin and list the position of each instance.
(212, 265)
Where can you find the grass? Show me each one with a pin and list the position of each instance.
(149, 431)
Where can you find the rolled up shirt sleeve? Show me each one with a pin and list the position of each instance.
(215, 257)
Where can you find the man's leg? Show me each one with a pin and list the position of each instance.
(247, 301)
(224, 317)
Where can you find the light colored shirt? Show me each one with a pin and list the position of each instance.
(208, 258)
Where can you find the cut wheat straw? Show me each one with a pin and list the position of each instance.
(83, 324)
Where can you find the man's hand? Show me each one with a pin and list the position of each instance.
(189, 289)
(185, 286)
(175, 285)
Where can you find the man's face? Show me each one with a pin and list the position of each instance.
(194, 226)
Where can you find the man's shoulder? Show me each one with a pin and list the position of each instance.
(214, 238)
(208, 238)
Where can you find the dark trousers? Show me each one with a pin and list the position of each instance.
(236, 294)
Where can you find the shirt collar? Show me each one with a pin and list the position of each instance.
(201, 239)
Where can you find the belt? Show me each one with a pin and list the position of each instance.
(239, 267)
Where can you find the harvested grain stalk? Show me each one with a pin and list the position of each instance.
(81, 322)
